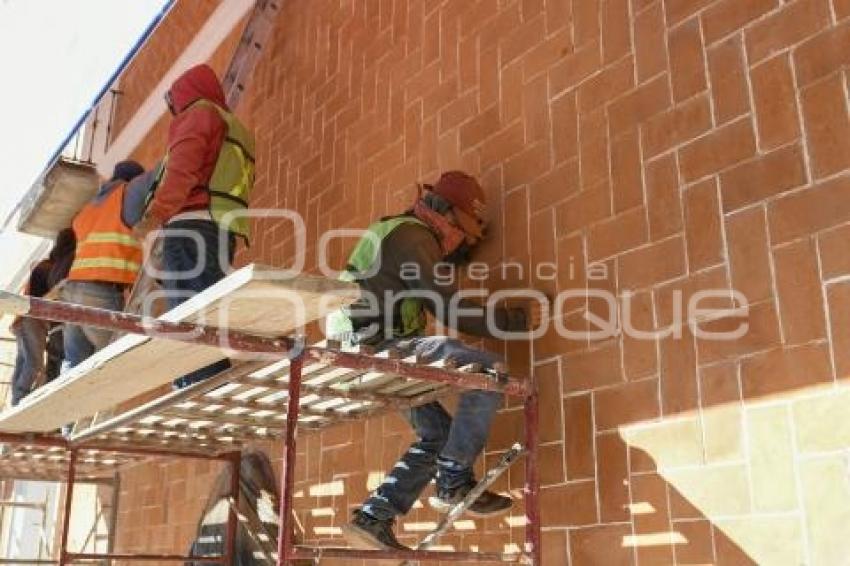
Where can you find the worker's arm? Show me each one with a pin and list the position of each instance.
(193, 144)
(135, 197)
(415, 246)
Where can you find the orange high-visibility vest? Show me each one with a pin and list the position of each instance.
(106, 248)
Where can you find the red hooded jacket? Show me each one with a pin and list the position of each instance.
(195, 137)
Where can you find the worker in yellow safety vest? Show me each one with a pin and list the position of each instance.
(106, 262)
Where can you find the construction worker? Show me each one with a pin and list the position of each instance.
(31, 334)
(398, 256)
(106, 262)
(201, 192)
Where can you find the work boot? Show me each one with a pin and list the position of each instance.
(369, 532)
(488, 504)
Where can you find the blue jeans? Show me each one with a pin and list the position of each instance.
(202, 268)
(446, 447)
(80, 342)
(31, 341)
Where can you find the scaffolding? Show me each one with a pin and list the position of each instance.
(307, 387)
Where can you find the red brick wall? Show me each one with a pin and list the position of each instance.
(684, 144)
(167, 42)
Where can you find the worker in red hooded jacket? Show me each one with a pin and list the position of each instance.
(201, 191)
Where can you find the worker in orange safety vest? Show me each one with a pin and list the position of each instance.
(106, 262)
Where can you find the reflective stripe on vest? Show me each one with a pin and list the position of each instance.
(360, 262)
(106, 249)
(233, 176)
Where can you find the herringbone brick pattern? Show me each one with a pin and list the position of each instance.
(653, 148)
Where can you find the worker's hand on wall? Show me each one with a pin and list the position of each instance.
(534, 314)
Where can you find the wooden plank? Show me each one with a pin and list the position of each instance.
(253, 299)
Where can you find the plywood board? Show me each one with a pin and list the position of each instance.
(254, 299)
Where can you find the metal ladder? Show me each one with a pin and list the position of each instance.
(257, 31)
(506, 461)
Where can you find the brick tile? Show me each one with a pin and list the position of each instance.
(649, 497)
(678, 125)
(680, 10)
(558, 15)
(827, 126)
(612, 473)
(510, 92)
(585, 20)
(626, 172)
(593, 368)
(647, 266)
(822, 54)
(583, 209)
(527, 165)
(570, 254)
(547, 53)
(762, 333)
(516, 223)
(616, 29)
(569, 505)
(728, 15)
(500, 25)
(687, 64)
(708, 280)
(521, 39)
(640, 352)
(760, 178)
(834, 259)
(650, 44)
(458, 111)
(499, 147)
(785, 369)
(555, 551)
(639, 105)
(594, 150)
(601, 544)
(720, 149)
(488, 77)
(480, 127)
(728, 80)
(662, 197)
(575, 68)
(802, 213)
(555, 186)
(551, 462)
(565, 127)
(749, 262)
(838, 297)
(627, 403)
(703, 226)
(719, 385)
(549, 380)
(801, 306)
(578, 437)
(602, 289)
(796, 21)
(679, 391)
(842, 8)
(610, 83)
(699, 548)
(775, 101)
(617, 234)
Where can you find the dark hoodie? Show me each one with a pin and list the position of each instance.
(194, 140)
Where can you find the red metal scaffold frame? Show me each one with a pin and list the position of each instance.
(297, 352)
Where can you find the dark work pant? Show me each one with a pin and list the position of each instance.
(446, 447)
(31, 338)
(193, 260)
